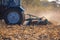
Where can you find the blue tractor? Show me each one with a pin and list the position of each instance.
(11, 11)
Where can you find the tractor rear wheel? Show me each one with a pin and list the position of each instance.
(13, 16)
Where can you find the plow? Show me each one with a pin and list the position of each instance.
(34, 20)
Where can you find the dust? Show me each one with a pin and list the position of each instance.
(51, 13)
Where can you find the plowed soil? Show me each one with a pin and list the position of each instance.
(42, 32)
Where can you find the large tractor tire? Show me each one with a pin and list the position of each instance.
(13, 16)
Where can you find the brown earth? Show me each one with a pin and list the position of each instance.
(42, 32)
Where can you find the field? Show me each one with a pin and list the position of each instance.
(42, 32)
(39, 32)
